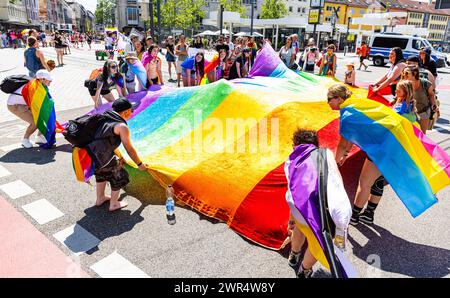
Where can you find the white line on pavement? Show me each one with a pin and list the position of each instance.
(116, 266)
(4, 172)
(77, 239)
(16, 189)
(42, 211)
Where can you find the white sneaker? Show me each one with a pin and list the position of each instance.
(27, 144)
(40, 139)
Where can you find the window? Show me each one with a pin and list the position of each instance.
(290, 8)
(304, 10)
(417, 44)
(132, 15)
(386, 42)
(352, 11)
(362, 11)
(298, 9)
(329, 8)
(328, 19)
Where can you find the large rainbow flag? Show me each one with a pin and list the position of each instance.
(42, 108)
(223, 145)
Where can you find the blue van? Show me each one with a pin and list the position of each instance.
(381, 44)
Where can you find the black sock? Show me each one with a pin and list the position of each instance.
(372, 206)
(356, 211)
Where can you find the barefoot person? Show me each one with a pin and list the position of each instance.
(108, 167)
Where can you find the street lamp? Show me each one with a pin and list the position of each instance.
(252, 3)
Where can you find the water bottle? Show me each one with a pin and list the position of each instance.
(170, 205)
(340, 238)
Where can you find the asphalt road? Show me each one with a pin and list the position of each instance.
(196, 246)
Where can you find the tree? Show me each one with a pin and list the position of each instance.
(273, 9)
(183, 14)
(105, 12)
(234, 5)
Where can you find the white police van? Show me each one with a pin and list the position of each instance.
(381, 44)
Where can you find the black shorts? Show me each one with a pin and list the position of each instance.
(154, 81)
(361, 59)
(102, 92)
(115, 174)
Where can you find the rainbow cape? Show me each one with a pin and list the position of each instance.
(42, 108)
(415, 166)
(82, 164)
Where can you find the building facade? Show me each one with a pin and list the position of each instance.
(127, 14)
(12, 15)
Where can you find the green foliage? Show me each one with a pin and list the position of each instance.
(182, 14)
(105, 12)
(234, 5)
(273, 9)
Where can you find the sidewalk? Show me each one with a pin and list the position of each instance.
(26, 252)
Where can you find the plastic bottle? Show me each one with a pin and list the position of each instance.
(340, 238)
(170, 205)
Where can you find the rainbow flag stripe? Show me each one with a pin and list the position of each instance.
(42, 108)
(83, 165)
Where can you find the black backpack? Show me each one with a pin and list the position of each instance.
(10, 84)
(81, 131)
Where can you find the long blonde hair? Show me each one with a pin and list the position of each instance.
(339, 90)
(407, 88)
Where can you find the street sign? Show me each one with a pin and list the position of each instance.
(313, 17)
(351, 37)
(317, 3)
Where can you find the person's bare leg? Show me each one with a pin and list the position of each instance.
(109, 97)
(101, 197)
(114, 203)
(178, 79)
(369, 174)
(185, 82)
(170, 71)
(375, 199)
(297, 240)
(424, 123)
(308, 260)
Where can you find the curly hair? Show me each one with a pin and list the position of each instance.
(339, 90)
(305, 136)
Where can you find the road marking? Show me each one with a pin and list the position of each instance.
(77, 239)
(115, 265)
(16, 189)
(4, 172)
(11, 147)
(42, 211)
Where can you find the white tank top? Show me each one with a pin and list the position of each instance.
(15, 99)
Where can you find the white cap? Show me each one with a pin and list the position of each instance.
(44, 74)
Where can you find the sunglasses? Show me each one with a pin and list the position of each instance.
(113, 66)
(331, 98)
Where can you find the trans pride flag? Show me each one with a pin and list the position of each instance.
(42, 108)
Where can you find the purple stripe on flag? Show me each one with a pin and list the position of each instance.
(303, 184)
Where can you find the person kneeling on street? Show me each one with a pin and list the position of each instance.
(108, 166)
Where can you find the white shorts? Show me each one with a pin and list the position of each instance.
(179, 68)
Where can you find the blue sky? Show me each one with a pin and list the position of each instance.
(88, 4)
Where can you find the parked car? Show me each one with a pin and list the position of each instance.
(381, 44)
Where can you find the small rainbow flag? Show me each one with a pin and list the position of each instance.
(82, 164)
(42, 107)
